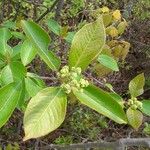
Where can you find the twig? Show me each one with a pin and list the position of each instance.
(46, 78)
(117, 145)
(58, 9)
(94, 79)
(47, 11)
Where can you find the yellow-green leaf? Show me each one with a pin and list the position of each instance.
(87, 44)
(135, 118)
(136, 85)
(121, 27)
(45, 112)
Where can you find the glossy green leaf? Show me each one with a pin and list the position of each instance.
(136, 85)
(28, 52)
(108, 62)
(5, 35)
(118, 98)
(15, 71)
(146, 107)
(135, 118)
(16, 51)
(87, 44)
(54, 26)
(9, 97)
(32, 86)
(41, 41)
(21, 101)
(102, 102)
(6, 76)
(45, 112)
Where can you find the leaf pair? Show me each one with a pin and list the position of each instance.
(46, 111)
(40, 39)
(135, 117)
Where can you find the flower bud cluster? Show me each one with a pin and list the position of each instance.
(134, 103)
(72, 79)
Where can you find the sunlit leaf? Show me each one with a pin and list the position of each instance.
(135, 118)
(41, 41)
(87, 44)
(136, 85)
(45, 112)
(102, 102)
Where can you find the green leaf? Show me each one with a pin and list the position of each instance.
(41, 41)
(118, 98)
(32, 86)
(36, 78)
(136, 85)
(9, 97)
(28, 52)
(108, 62)
(5, 35)
(15, 71)
(70, 37)
(18, 35)
(45, 112)
(98, 68)
(102, 102)
(6, 76)
(87, 44)
(121, 27)
(54, 26)
(146, 107)
(135, 118)
(16, 51)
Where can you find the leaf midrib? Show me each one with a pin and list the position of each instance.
(104, 108)
(35, 124)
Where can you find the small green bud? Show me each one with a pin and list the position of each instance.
(64, 70)
(66, 87)
(134, 107)
(73, 69)
(84, 83)
(78, 70)
(81, 90)
(139, 104)
(130, 102)
(58, 74)
(74, 75)
(134, 99)
(63, 75)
